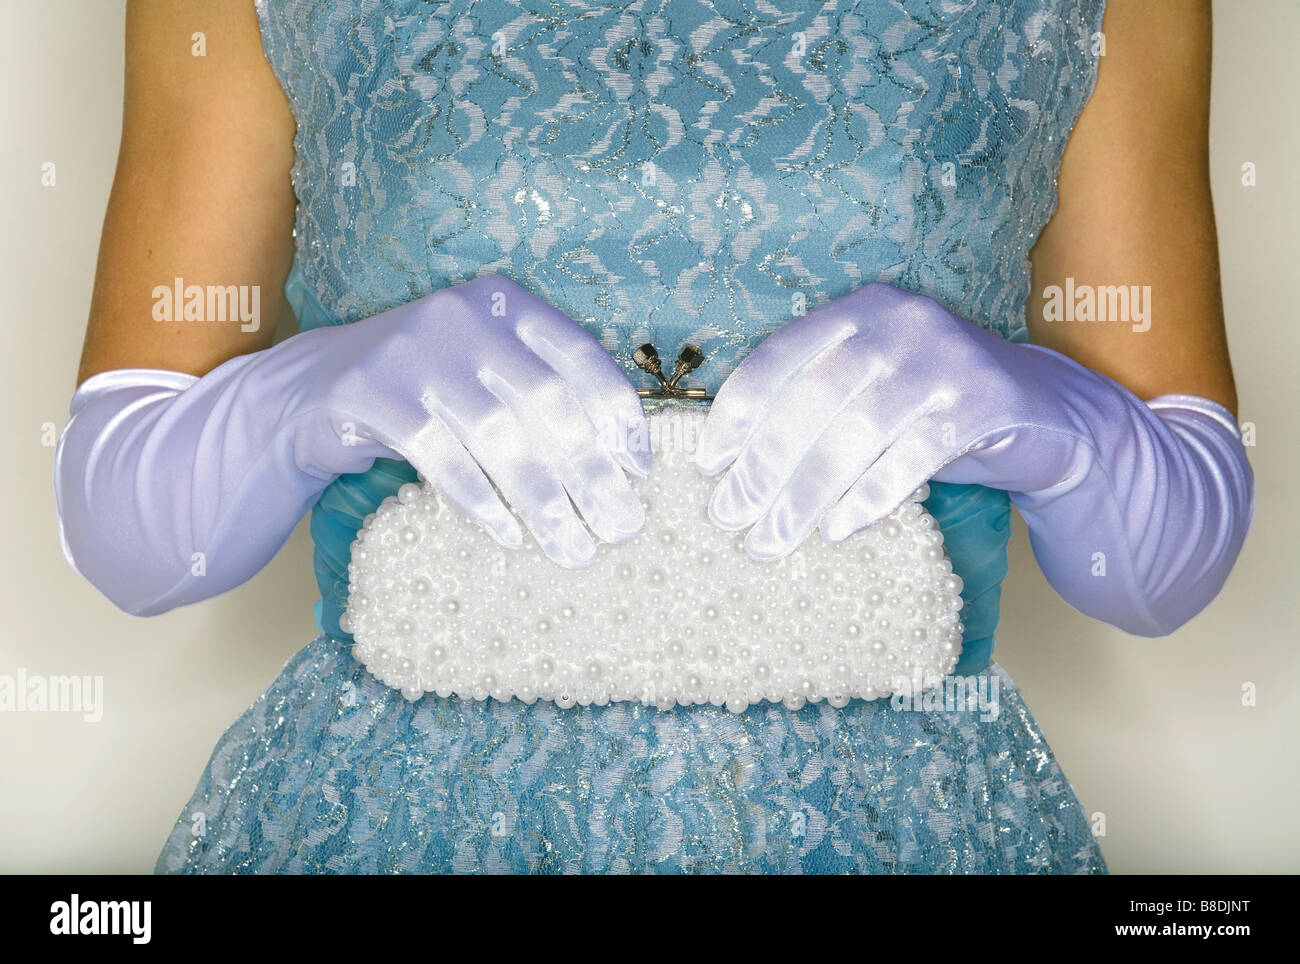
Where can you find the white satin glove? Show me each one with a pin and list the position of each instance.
(1136, 511)
(172, 489)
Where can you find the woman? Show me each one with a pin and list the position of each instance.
(467, 180)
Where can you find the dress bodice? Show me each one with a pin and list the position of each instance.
(678, 170)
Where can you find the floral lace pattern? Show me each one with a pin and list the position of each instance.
(330, 771)
(661, 170)
(672, 169)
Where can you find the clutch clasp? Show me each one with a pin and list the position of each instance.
(688, 359)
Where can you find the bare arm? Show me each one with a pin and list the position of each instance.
(1135, 209)
(201, 190)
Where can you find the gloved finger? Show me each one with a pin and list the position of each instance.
(508, 456)
(754, 387)
(792, 431)
(601, 388)
(447, 465)
(840, 454)
(906, 464)
(566, 439)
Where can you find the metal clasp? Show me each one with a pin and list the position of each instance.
(688, 359)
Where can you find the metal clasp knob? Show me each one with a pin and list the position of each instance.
(688, 359)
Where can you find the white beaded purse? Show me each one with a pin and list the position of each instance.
(678, 615)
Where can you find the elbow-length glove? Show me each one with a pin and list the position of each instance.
(172, 489)
(1136, 511)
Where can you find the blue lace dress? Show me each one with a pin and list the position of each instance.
(661, 170)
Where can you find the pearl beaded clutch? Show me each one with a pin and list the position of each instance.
(678, 615)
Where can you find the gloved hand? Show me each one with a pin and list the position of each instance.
(1136, 511)
(172, 488)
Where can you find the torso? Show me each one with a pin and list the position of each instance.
(778, 175)
(679, 169)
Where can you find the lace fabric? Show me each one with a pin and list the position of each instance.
(684, 169)
(661, 170)
(330, 771)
